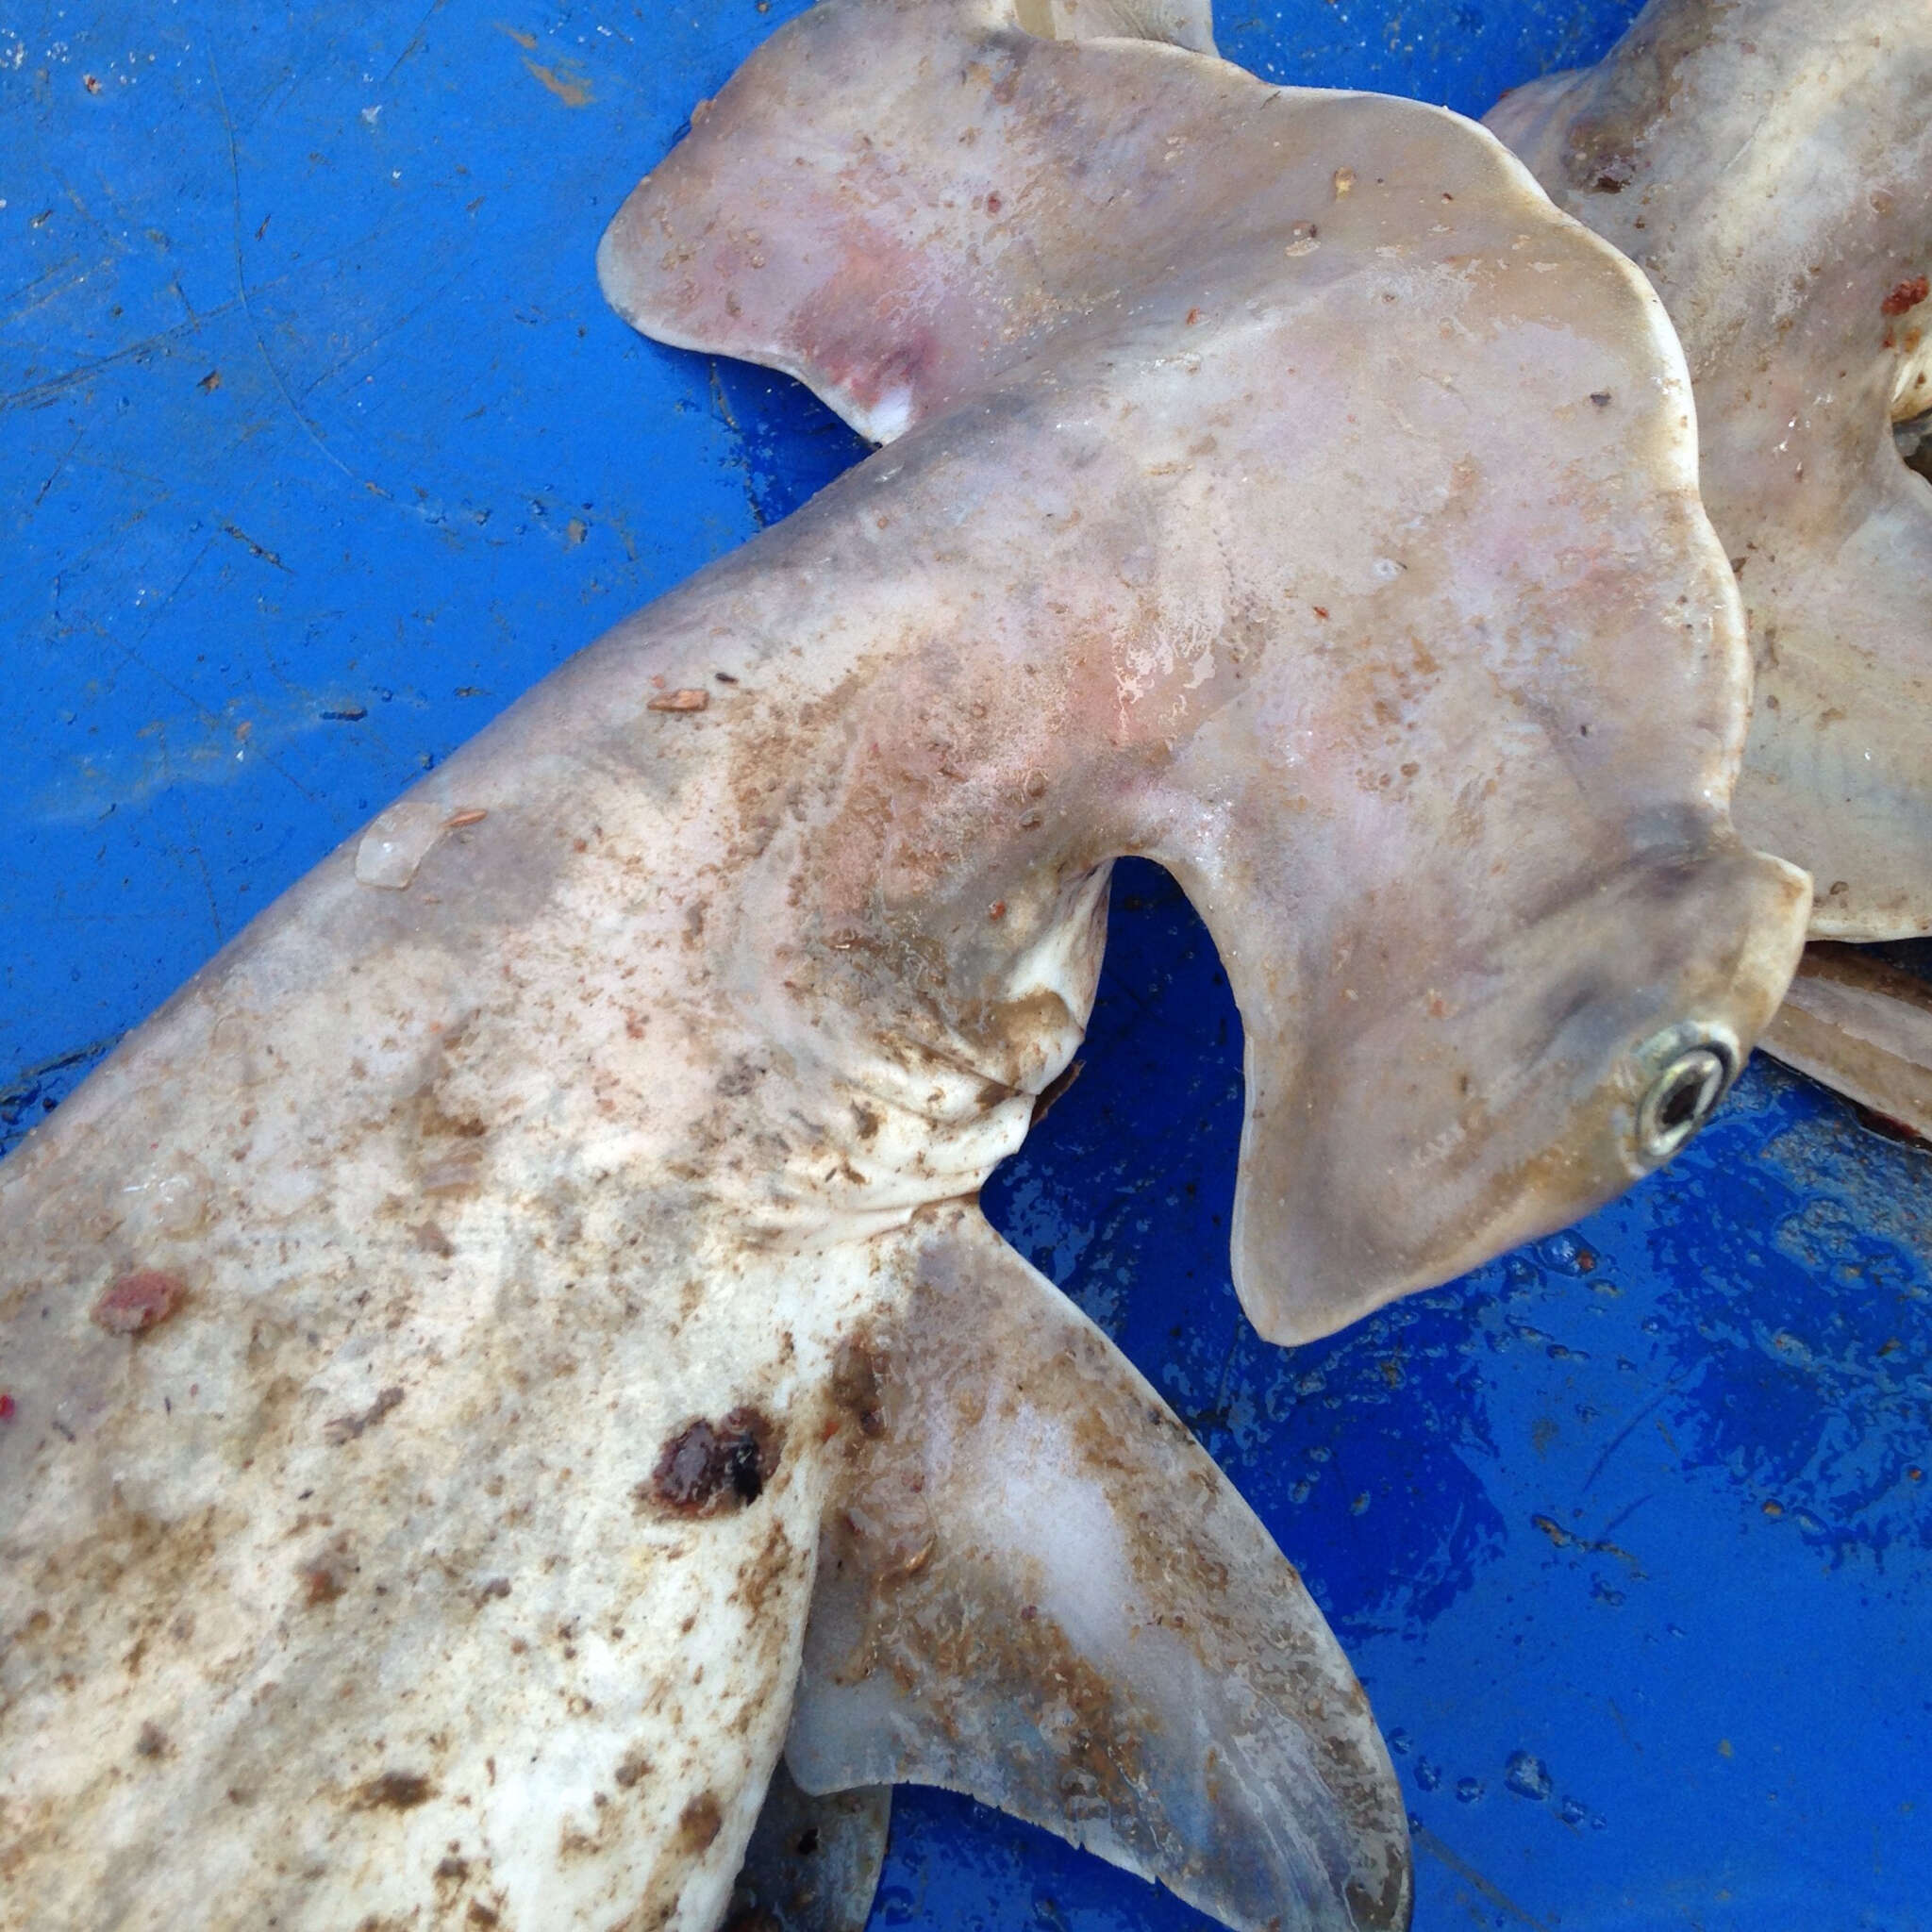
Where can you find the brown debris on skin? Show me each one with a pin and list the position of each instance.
(857, 1385)
(394, 1790)
(1907, 296)
(345, 1429)
(691, 700)
(321, 1582)
(139, 1301)
(700, 1822)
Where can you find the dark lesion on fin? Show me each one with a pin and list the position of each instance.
(705, 1467)
(812, 1864)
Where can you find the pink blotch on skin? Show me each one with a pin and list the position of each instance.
(139, 1302)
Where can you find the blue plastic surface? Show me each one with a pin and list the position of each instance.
(319, 447)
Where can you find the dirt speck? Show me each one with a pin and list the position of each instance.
(699, 1822)
(323, 1581)
(856, 1383)
(139, 1301)
(394, 1790)
(1905, 296)
(345, 1429)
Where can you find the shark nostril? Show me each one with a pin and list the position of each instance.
(1681, 1098)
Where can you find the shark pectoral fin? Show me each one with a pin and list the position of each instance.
(812, 1864)
(1036, 1588)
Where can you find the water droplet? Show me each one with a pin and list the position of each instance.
(167, 1201)
(1572, 1810)
(1399, 1742)
(1427, 1777)
(895, 1905)
(1569, 1255)
(397, 842)
(1469, 1790)
(1527, 1776)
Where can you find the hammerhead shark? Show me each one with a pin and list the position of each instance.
(512, 1346)
(1768, 165)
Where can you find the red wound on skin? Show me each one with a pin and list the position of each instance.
(6, 1409)
(139, 1301)
(1907, 295)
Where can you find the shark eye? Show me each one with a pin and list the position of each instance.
(1682, 1097)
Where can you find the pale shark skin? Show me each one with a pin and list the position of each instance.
(640, 1069)
(1768, 163)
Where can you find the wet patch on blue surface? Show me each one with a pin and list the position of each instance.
(1800, 1321)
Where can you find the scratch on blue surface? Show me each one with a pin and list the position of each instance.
(268, 361)
(36, 395)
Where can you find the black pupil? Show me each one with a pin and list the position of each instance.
(1683, 1103)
